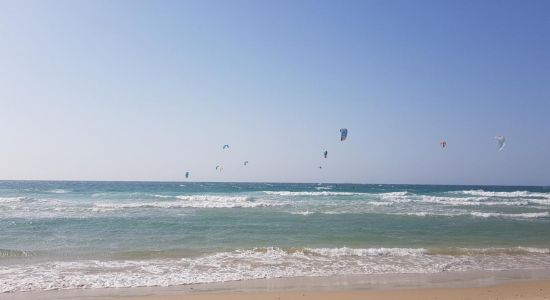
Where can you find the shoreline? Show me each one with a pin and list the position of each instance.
(531, 290)
(462, 285)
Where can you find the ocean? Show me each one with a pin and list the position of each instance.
(74, 235)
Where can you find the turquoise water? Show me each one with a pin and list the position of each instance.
(122, 234)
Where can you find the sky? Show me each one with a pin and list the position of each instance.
(147, 90)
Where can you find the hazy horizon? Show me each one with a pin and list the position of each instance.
(274, 182)
(146, 91)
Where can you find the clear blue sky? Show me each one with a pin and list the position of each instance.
(146, 90)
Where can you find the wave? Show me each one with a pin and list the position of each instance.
(467, 201)
(512, 216)
(164, 196)
(323, 193)
(15, 199)
(428, 214)
(303, 213)
(330, 193)
(514, 194)
(323, 188)
(58, 191)
(345, 251)
(404, 197)
(196, 201)
(380, 203)
(518, 216)
(489, 251)
(259, 263)
(394, 194)
(476, 198)
(122, 195)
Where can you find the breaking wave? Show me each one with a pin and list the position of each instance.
(59, 191)
(323, 193)
(512, 216)
(196, 201)
(518, 216)
(514, 194)
(15, 199)
(260, 263)
(323, 188)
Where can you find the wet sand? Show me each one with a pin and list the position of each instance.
(518, 290)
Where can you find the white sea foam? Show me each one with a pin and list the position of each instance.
(395, 194)
(345, 251)
(260, 263)
(512, 216)
(164, 196)
(402, 202)
(428, 214)
(380, 203)
(492, 251)
(518, 216)
(14, 199)
(514, 194)
(533, 250)
(467, 201)
(321, 188)
(323, 193)
(331, 193)
(196, 201)
(24, 207)
(405, 197)
(303, 213)
(540, 201)
(58, 191)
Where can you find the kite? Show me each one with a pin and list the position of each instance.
(343, 134)
(501, 142)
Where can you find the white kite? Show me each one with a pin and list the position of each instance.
(501, 142)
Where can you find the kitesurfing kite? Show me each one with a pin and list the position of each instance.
(186, 174)
(245, 162)
(320, 167)
(343, 134)
(443, 143)
(225, 147)
(501, 142)
(325, 153)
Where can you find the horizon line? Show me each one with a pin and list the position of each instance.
(269, 182)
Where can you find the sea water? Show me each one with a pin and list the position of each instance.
(67, 235)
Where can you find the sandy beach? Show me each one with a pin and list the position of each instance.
(530, 289)
(518, 290)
